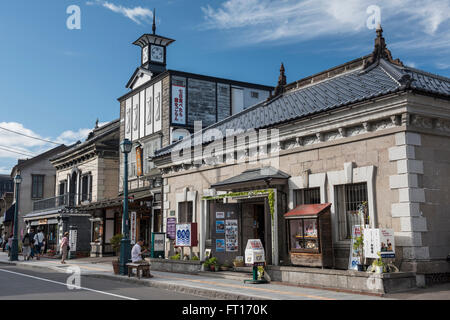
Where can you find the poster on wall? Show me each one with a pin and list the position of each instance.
(183, 235)
(231, 235)
(178, 104)
(354, 259)
(133, 227)
(220, 226)
(220, 215)
(387, 243)
(220, 245)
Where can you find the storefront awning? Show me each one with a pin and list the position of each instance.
(307, 210)
(9, 214)
(264, 176)
(43, 214)
(103, 204)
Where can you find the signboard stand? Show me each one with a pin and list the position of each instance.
(254, 255)
(158, 245)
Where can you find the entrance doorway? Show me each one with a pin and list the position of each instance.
(259, 223)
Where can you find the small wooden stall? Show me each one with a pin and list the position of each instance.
(309, 235)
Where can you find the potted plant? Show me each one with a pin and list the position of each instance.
(212, 262)
(176, 256)
(115, 244)
(379, 264)
(358, 246)
(238, 263)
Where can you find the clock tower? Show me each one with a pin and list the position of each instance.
(153, 50)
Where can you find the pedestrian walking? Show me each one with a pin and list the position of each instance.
(26, 247)
(5, 241)
(32, 234)
(64, 247)
(9, 244)
(38, 243)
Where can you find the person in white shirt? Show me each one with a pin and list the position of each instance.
(136, 253)
(38, 243)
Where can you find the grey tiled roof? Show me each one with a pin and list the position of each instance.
(254, 175)
(346, 88)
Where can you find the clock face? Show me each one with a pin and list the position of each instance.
(157, 54)
(144, 54)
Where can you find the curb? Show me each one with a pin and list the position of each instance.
(29, 266)
(202, 292)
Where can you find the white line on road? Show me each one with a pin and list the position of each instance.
(64, 284)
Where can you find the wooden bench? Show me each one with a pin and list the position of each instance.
(143, 268)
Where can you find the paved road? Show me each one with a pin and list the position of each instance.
(24, 284)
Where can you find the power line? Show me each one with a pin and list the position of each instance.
(10, 150)
(18, 150)
(25, 135)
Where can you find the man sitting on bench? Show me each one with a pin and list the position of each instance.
(136, 253)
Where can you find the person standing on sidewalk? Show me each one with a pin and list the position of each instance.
(38, 242)
(9, 244)
(64, 247)
(26, 249)
(32, 234)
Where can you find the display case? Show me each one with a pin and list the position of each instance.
(309, 235)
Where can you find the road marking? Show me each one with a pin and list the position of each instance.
(246, 287)
(64, 284)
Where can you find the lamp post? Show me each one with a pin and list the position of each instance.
(14, 256)
(125, 251)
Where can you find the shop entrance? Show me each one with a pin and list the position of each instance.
(259, 223)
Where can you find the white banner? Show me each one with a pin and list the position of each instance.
(183, 235)
(133, 227)
(178, 104)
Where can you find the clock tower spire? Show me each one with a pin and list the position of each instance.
(153, 50)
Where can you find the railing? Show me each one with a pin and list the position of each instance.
(64, 200)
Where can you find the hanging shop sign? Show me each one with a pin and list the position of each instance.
(231, 235)
(178, 104)
(42, 221)
(139, 161)
(254, 253)
(171, 228)
(379, 241)
(133, 227)
(186, 235)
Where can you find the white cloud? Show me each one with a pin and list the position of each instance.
(258, 21)
(21, 147)
(137, 14)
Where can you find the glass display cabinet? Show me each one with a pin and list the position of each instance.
(309, 235)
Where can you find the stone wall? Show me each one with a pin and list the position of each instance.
(201, 102)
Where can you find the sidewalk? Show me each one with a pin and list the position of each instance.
(210, 285)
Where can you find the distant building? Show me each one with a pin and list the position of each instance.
(6, 184)
(38, 182)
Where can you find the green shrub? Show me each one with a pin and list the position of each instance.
(176, 257)
(195, 258)
(115, 242)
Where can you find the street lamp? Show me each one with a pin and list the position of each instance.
(125, 251)
(14, 256)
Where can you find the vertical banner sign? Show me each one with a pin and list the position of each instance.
(354, 259)
(171, 228)
(139, 161)
(178, 104)
(73, 240)
(133, 227)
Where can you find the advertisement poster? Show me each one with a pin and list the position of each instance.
(171, 228)
(178, 104)
(158, 242)
(220, 226)
(387, 243)
(231, 235)
(133, 227)
(354, 259)
(220, 245)
(183, 238)
(220, 215)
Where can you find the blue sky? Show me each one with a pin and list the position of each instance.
(55, 82)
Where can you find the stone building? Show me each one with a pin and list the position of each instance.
(160, 108)
(86, 174)
(371, 131)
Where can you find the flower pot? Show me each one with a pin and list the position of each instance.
(378, 269)
(116, 266)
(223, 268)
(212, 267)
(216, 268)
